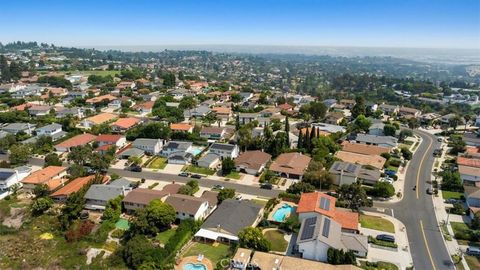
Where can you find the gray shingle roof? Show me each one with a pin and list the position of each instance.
(232, 216)
(177, 145)
(145, 142)
(223, 146)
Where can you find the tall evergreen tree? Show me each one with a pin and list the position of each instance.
(287, 131)
(300, 140)
(237, 122)
(307, 141)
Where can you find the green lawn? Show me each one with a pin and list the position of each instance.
(194, 169)
(164, 236)
(214, 254)
(277, 240)
(452, 195)
(158, 163)
(260, 202)
(463, 230)
(473, 262)
(233, 175)
(392, 168)
(376, 223)
(122, 224)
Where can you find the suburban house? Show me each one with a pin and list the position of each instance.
(149, 146)
(197, 112)
(125, 85)
(39, 110)
(245, 118)
(471, 139)
(104, 98)
(382, 141)
(124, 124)
(328, 127)
(98, 120)
(74, 111)
(224, 113)
(111, 140)
(376, 129)
(473, 151)
(141, 197)
(180, 157)
(469, 175)
(263, 260)
(213, 133)
(320, 233)
(78, 140)
(290, 165)
(348, 173)
(230, 217)
(52, 176)
(369, 160)
(144, 108)
(176, 146)
(98, 195)
(363, 148)
(73, 186)
(11, 177)
(188, 206)
(472, 196)
(388, 109)
(334, 118)
(15, 128)
(224, 150)
(53, 130)
(252, 162)
(212, 198)
(180, 127)
(347, 103)
(314, 203)
(405, 111)
(210, 160)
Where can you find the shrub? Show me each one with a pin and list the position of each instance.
(79, 230)
(117, 233)
(289, 197)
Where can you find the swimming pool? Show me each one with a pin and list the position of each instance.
(197, 266)
(282, 212)
(196, 151)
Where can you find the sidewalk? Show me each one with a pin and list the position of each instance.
(441, 212)
(402, 256)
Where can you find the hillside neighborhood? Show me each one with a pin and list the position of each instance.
(115, 168)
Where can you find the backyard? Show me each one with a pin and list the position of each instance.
(158, 163)
(376, 223)
(277, 240)
(164, 236)
(211, 252)
(199, 170)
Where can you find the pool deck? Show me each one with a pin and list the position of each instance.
(193, 260)
(280, 204)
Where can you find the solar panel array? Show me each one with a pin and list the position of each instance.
(325, 203)
(326, 227)
(308, 228)
(5, 175)
(351, 168)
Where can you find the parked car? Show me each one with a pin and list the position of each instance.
(440, 139)
(451, 200)
(390, 172)
(219, 187)
(430, 191)
(266, 186)
(437, 152)
(136, 169)
(184, 174)
(473, 251)
(386, 238)
(196, 176)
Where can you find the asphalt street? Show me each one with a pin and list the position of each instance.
(416, 210)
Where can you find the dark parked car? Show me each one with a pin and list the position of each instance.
(452, 201)
(390, 172)
(134, 168)
(386, 238)
(219, 187)
(196, 176)
(184, 174)
(266, 186)
(430, 191)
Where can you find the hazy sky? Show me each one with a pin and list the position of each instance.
(377, 23)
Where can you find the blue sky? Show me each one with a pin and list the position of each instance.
(369, 23)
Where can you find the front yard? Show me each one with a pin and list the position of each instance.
(213, 253)
(277, 240)
(376, 223)
(233, 175)
(199, 170)
(464, 234)
(452, 195)
(158, 163)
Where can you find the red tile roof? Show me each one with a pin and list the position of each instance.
(470, 162)
(310, 202)
(181, 127)
(78, 140)
(110, 138)
(126, 123)
(285, 106)
(75, 185)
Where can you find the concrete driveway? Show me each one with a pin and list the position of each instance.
(173, 168)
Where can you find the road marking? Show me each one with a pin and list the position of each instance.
(426, 244)
(421, 163)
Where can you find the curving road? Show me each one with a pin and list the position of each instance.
(416, 210)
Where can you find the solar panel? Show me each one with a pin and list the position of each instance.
(351, 168)
(325, 203)
(326, 227)
(308, 228)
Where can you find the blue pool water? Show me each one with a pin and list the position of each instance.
(196, 151)
(191, 266)
(282, 212)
